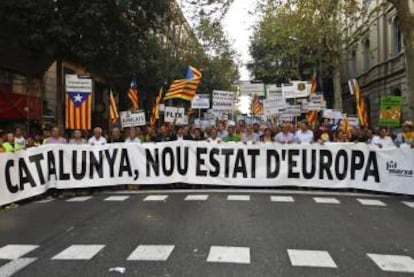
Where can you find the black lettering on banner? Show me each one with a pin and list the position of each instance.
(182, 169)
(308, 174)
(325, 163)
(125, 165)
(292, 153)
(62, 174)
(111, 161)
(25, 175)
(51, 165)
(272, 155)
(12, 188)
(227, 153)
(200, 161)
(214, 163)
(240, 164)
(357, 162)
(372, 167)
(95, 165)
(78, 175)
(36, 160)
(168, 171)
(253, 153)
(153, 162)
(341, 175)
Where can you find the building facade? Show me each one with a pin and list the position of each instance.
(375, 58)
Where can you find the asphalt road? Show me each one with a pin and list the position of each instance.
(212, 235)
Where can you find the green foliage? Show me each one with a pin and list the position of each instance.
(297, 36)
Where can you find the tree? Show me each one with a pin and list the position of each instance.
(313, 29)
(405, 14)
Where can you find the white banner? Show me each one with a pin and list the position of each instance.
(223, 101)
(132, 119)
(201, 101)
(333, 165)
(75, 84)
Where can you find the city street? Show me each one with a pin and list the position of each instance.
(210, 233)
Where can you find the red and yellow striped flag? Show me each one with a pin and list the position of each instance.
(185, 88)
(156, 109)
(133, 95)
(113, 109)
(257, 106)
(360, 103)
(312, 116)
(78, 110)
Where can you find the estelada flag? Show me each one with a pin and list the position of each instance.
(78, 110)
(133, 95)
(185, 88)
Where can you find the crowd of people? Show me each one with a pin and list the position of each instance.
(285, 133)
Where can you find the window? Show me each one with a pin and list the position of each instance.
(396, 92)
(367, 58)
(353, 63)
(396, 37)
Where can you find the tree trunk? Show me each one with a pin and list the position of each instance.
(405, 13)
(337, 83)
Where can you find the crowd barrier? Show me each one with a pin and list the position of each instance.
(333, 165)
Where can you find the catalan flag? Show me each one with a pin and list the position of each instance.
(257, 106)
(360, 102)
(312, 116)
(156, 108)
(185, 88)
(78, 110)
(113, 109)
(133, 95)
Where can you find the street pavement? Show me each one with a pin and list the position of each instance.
(210, 233)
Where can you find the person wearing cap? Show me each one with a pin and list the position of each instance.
(406, 137)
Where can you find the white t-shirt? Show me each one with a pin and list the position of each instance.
(216, 140)
(301, 136)
(94, 141)
(385, 141)
(20, 141)
(129, 140)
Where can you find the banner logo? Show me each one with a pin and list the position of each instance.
(393, 169)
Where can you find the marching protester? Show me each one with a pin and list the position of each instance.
(116, 136)
(133, 138)
(77, 138)
(406, 137)
(267, 136)
(304, 135)
(382, 139)
(30, 142)
(324, 133)
(55, 137)
(10, 145)
(97, 138)
(285, 136)
(19, 138)
(231, 136)
(214, 136)
(249, 137)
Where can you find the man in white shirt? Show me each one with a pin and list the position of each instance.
(304, 134)
(382, 140)
(97, 138)
(285, 136)
(19, 138)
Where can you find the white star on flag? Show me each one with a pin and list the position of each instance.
(78, 98)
